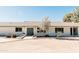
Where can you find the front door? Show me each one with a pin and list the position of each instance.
(30, 31)
(74, 31)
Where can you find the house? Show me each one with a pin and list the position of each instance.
(31, 28)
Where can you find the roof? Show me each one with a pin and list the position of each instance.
(28, 23)
(37, 23)
(64, 24)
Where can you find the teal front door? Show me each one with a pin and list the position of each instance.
(74, 31)
(30, 31)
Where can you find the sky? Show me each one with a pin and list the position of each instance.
(33, 13)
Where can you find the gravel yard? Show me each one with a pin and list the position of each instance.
(39, 45)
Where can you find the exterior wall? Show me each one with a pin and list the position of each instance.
(52, 31)
(19, 33)
(40, 34)
(35, 30)
(78, 31)
(7, 30)
(66, 31)
(11, 30)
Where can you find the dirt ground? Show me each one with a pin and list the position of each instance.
(43, 45)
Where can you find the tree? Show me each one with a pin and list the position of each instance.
(72, 17)
(68, 17)
(76, 14)
(46, 23)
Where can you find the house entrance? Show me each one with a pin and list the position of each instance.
(74, 31)
(30, 31)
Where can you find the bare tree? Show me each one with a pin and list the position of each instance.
(46, 23)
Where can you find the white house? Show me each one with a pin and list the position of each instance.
(30, 28)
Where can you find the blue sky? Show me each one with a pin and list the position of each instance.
(33, 13)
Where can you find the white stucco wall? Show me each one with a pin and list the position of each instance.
(35, 30)
(11, 30)
(66, 31)
(7, 30)
(19, 33)
(78, 31)
(52, 31)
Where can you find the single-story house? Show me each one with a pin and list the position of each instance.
(31, 28)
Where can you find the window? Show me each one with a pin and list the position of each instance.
(18, 30)
(44, 31)
(38, 28)
(59, 30)
(40, 31)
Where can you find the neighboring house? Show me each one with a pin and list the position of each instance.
(31, 28)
